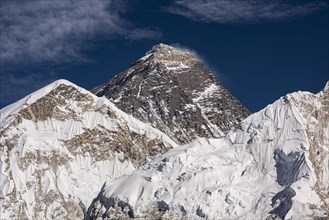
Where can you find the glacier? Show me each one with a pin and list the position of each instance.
(274, 165)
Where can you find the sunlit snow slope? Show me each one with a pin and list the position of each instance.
(60, 144)
(274, 165)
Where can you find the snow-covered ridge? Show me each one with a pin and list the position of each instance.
(60, 144)
(7, 113)
(274, 164)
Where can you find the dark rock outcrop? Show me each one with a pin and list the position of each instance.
(172, 90)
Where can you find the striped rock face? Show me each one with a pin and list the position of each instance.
(173, 91)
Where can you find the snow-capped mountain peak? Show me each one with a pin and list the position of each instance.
(163, 50)
(173, 91)
(60, 144)
(169, 56)
(7, 113)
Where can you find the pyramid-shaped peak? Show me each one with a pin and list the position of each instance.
(164, 48)
(166, 54)
(62, 90)
(175, 92)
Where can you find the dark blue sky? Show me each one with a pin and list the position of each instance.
(259, 50)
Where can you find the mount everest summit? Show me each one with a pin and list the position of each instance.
(163, 140)
(173, 91)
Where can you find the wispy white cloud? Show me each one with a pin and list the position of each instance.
(243, 11)
(37, 35)
(58, 31)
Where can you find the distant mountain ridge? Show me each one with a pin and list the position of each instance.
(172, 90)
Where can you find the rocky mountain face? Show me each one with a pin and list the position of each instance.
(173, 91)
(60, 144)
(275, 165)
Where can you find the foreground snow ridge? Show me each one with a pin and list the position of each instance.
(60, 144)
(274, 165)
